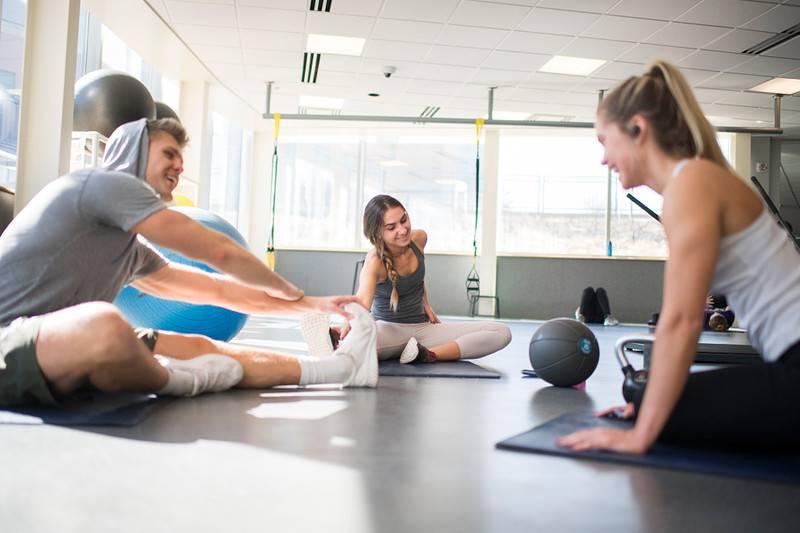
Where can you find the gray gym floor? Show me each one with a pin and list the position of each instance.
(413, 455)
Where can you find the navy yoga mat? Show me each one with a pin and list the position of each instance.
(784, 468)
(86, 409)
(444, 369)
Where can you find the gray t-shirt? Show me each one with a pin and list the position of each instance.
(72, 243)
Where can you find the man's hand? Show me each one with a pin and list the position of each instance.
(331, 304)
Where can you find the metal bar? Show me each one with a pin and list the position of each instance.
(492, 122)
(269, 98)
(491, 102)
(777, 103)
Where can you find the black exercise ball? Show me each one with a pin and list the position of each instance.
(106, 99)
(564, 352)
(165, 111)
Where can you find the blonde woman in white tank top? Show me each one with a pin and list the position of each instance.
(720, 237)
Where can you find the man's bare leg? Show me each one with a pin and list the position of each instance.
(262, 369)
(93, 342)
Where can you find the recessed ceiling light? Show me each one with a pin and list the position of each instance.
(334, 44)
(778, 86)
(321, 102)
(374, 95)
(575, 66)
(393, 163)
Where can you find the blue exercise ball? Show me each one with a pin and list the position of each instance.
(144, 310)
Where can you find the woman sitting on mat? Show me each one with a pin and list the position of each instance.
(595, 308)
(720, 238)
(392, 284)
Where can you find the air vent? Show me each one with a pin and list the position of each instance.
(772, 42)
(310, 67)
(429, 111)
(320, 5)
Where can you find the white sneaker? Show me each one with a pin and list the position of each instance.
(578, 316)
(410, 352)
(610, 321)
(361, 345)
(205, 373)
(315, 328)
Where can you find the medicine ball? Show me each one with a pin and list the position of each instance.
(564, 352)
(165, 111)
(106, 99)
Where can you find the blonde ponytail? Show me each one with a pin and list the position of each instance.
(663, 96)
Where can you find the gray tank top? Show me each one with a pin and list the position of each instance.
(410, 289)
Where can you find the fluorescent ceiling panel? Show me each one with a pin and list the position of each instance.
(778, 86)
(574, 66)
(334, 44)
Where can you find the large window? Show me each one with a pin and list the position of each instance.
(326, 177)
(231, 167)
(551, 193)
(12, 42)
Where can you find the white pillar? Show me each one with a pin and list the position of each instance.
(741, 154)
(48, 92)
(260, 214)
(487, 263)
(194, 115)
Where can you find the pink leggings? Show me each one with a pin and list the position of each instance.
(474, 339)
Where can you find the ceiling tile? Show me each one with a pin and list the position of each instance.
(202, 14)
(687, 35)
(542, 43)
(345, 25)
(748, 99)
(790, 49)
(623, 28)
(395, 50)
(696, 77)
(528, 94)
(704, 59)
(591, 6)
(406, 30)
(375, 67)
(545, 80)
(296, 5)
(219, 54)
(557, 21)
(342, 63)
(776, 19)
(473, 37)
(737, 40)
(425, 10)
(646, 53)
(453, 55)
(733, 81)
(767, 66)
(273, 40)
(515, 61)
(618, 70)
(709, 96)
(596, 48)
(364, 8)
(724, 12)
(654, 9)
(491, 77)
(481, 14)
(272, 73)
(207, 35)
(271, 58)
(258, 18)
(428, 71)
(434, 87)
(332, 77)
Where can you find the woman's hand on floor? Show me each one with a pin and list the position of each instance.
(432, 317)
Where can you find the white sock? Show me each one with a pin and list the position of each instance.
(326, 369)
(205, 373)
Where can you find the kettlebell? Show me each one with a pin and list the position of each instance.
(635, 380)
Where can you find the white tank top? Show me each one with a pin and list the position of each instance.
(758, 270)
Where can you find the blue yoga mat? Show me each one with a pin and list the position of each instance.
(783, 468)
(445, 369)
(86, 409)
